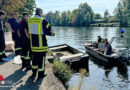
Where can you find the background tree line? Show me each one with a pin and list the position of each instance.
(122, 12)
(85, 16)
(82, 16)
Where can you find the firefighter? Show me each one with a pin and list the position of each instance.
(38, 29)
(23, 34)
(12, 24)
(2, 38)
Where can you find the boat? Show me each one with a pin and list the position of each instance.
(71, 56)
(108, 60)
(122, 55)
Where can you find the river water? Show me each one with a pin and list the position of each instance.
(98, 78)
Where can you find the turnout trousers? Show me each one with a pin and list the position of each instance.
(38, 62)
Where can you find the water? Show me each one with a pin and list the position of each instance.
(99, 78)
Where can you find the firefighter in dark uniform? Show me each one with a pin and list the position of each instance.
(38, 29)
(12, 24)
(2, 38)
(23, 34)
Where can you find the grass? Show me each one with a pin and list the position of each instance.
(62, 71)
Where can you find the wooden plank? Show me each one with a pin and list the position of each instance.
(59, 47)
(72, 56)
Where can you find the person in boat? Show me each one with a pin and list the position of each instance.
(2, 37)
(105, 47)
(100, 42)
(100, 39)
(108, 48)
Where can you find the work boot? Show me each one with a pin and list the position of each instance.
(23, 63)
(34, 72)
(41, 75)
(28, 67)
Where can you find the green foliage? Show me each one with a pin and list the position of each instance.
(106, 16)
(83, 16)
(11, 6)
(28, 7)
(62, 71)
(97, 16)
(122, 12)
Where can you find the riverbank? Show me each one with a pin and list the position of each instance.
(105, 25)
(16, 78)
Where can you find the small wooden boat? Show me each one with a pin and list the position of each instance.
(70, 56)
(108, 60)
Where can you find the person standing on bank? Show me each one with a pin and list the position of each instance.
(2, 38)
(38, 29)
(12, 24)
(23, 34)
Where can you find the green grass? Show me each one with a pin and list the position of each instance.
(62, 71)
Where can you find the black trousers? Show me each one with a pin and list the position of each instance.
(2, 44)
(38, 61)
(17, 46)
(25, 52)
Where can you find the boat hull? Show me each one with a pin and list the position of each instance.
(74, 58)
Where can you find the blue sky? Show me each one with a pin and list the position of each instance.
(99, 6)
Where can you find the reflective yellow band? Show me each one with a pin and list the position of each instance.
(45, 50)
(47, 26)
(2, 52)
(43, 67)
(40, 41)
(17, 49)
(34, 67)
(44, 47)
(27, 57)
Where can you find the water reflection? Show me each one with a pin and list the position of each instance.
(122, 70)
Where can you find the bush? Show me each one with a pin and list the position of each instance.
(62, 71)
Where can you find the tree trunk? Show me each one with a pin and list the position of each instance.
(2, 4)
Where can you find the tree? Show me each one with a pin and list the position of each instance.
(86, 14)
(2, 2)
(127, 10)
(10, 6)
(83, 16)
(97, 16)
(28, 7)
(120, 13)
(64, 19)
(106, 16)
